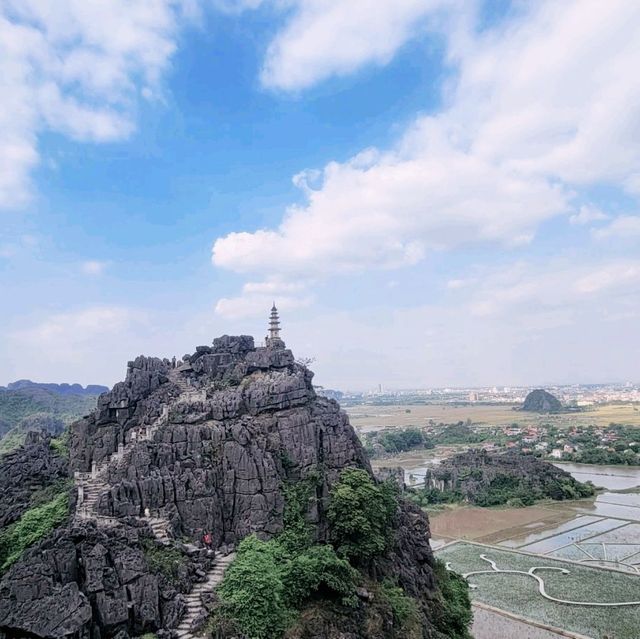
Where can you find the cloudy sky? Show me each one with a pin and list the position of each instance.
(435, 192)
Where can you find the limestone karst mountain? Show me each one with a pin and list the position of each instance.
(207, 445)
(27, 406)
(541, 401)
(490, 479)
(90, 390)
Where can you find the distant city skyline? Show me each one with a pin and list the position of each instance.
(435, 192)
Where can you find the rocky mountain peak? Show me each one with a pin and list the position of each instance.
(177, 464)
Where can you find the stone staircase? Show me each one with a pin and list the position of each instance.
(160, 528)
(92, 485)
(187, 392)
(176, 378)
(195, 605)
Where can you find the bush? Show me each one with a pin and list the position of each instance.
(60, 444)
(253, 592)
(49, 493)
(404, 608)
(34, 524)
(265, 586)
(297, 534)
(163, 561)
(360, 515)
(424, 497)
(319, 571)
(396, 441)
(455, 615)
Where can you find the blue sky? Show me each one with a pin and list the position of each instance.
(434, 192)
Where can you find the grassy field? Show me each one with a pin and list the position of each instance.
(519, 593)
(366, 417)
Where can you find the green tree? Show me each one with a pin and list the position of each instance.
(253, 592)
(318, 570)
(360, 514)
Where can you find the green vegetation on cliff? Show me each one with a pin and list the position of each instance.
(360, 515)
(164, 561)
(266, 585)
(34, 524)
(455, 614)
(271, 581)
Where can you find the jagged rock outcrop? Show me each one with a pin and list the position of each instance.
(25, 471)
(204, 444)
(540, 401)
(252, 421)
(83, 579)
(484, 478)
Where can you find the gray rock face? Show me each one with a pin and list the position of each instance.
(135, 401)
(252, 422)
(26, 470)
(85, 578)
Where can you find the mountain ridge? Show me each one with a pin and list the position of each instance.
(63, 388)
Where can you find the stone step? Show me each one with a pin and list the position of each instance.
(188, 619)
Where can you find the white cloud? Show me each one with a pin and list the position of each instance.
(526, 288)
(258, 296)
(93, 267)
(623, 227)
(524, 127)
(86, 344)
(390, 213)
(324, 38)
(526, 90)
(67, 331)
(588, 214)
(77, 67)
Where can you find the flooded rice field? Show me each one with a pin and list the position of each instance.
(602, 531)
(610, 477)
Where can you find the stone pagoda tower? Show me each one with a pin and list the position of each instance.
(273, 339)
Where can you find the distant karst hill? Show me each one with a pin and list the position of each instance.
(58, 389)
(540, 401)
(27, 406)
(491, 479)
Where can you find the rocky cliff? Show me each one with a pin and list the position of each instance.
(206, 444)
(26, 473)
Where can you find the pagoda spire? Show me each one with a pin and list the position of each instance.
(273, 339)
